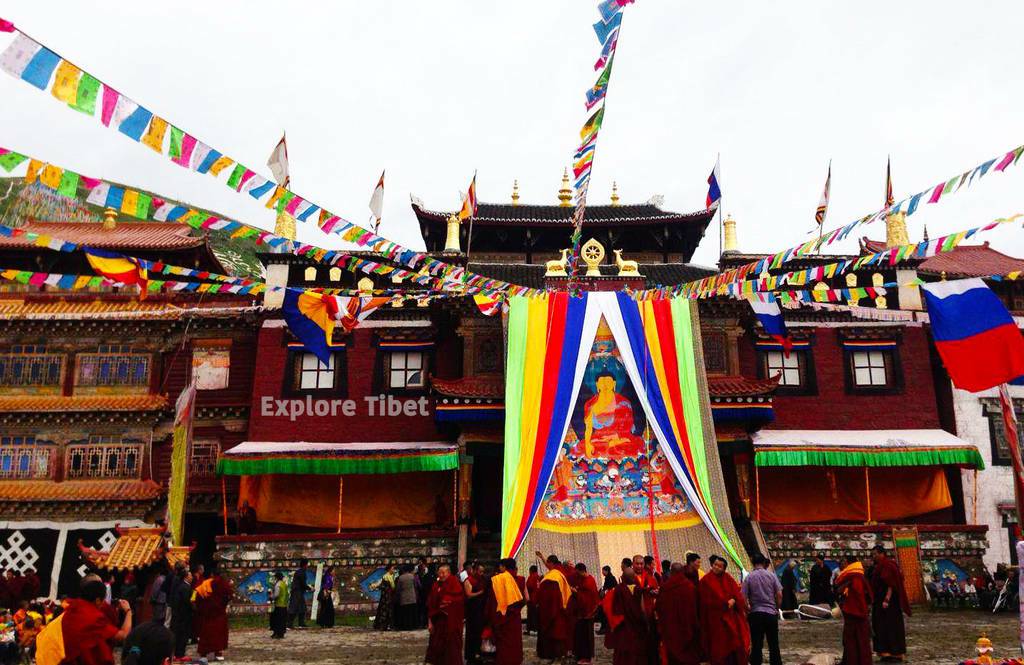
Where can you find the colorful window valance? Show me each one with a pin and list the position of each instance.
(869, 344)
(399, 345)
(772, 345)
(260, 458)
(299, 346)
(874, 448)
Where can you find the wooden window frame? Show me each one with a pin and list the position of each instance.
(893, 369)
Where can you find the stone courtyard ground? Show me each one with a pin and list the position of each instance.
(934, 637)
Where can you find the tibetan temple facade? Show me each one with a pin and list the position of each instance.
(394, 450)
(89, 379)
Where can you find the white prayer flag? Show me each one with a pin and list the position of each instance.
(278, 163)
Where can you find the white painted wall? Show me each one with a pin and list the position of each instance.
(995, 483)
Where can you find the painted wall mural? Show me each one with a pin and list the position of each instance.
(611, 471)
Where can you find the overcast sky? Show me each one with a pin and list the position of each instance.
(433, 90)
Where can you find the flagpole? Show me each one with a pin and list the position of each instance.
(721, 226)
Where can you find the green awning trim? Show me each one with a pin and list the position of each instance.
(968, 457)
(334, 466)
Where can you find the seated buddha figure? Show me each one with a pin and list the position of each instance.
(608, 421)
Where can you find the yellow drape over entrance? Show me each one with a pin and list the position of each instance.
(372, 501)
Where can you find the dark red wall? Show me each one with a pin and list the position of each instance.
(915, 407)
(361, 358)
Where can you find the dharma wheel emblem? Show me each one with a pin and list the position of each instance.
(592, 253)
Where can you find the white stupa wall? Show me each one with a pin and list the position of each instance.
(995, 483)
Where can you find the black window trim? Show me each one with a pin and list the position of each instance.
(894, 386)
(810, 387)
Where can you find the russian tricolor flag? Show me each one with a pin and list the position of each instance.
(975, 335)
(714, 191)
(770, 316)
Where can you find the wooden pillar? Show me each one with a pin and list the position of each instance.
(974, 503)
(341, 487)
(867, 492)
(757, 490)
(224, 501)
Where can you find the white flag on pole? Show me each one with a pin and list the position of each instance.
(278, 163)
(377, 200)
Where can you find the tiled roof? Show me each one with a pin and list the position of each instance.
(484, 387)
(125, 235)
(20, 403)
(971, 261)
(176, 555)
(732, 385)
(495, 214)
(134, 549)
(78, 490)
(17, 308)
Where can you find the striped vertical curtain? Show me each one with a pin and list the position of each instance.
(549, 342)
(656, 340)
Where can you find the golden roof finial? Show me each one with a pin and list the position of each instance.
(109, 219)
(565, 193)
(615, 193)
(515, 192)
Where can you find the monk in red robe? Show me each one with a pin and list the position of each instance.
(630, 633)
(890, 603)
(678, 625)
(554, 634)
(86, 629)
(608, 605)
(854, 596)
(725, 635)
(445, 616)
(583, 608)
(212, 598)
(532, 584)
(505, 602)
(643, 566)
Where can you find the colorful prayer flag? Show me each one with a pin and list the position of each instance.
(604, 29)
(469, 203)
(68, 184)
(6, 26)
(115, 266)
(154, 137)
(18, 54)
(88, 92)
(40, 68)
(593, 124)
(65, 83)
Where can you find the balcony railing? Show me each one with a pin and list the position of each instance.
(103, 460)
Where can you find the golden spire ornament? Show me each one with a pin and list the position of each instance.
(615, 194)
(515, 192)
(565, 193)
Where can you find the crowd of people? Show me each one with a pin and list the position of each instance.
(675, 613)
(155, 621)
